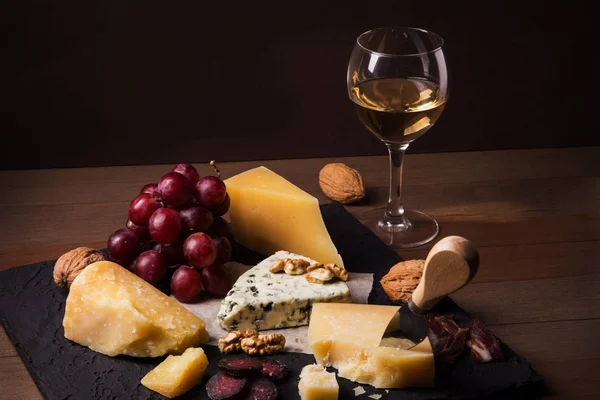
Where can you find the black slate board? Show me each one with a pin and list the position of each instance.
(32, 308)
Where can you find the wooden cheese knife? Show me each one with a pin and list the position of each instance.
(449, 266)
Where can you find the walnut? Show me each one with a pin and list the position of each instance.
(314, 266)
(230, 343)
(320, 275)
(341, 183)
(263, 344)
(291, 266)
(338, 272)
(70, 264)
(277, 266)
(251, 343)
(402, 279)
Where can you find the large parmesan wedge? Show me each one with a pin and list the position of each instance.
(113, 311)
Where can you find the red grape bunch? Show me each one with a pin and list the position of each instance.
(178, 224)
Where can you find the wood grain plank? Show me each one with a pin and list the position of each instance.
(6, 347)
(529, 261)
(459, 204)
(84, 185)
(544, 342)
(538, 300)
(15, 381)
(572, 379)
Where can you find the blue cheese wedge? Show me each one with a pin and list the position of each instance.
(263, 300)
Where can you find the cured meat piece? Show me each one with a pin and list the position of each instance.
(484, 345)
(262, 389)
(448, 340)
(224, 387)
(241, 367)
(274, 370)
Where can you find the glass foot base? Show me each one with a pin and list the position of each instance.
(419, 229)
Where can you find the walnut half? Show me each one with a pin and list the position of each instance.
(291, 266)
(250, 342)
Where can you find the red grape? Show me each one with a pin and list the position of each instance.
(220, 227)
(173, 252)
(216, 281)
(151, 266)
(151, 189)
(123, 245)
(186, 283)
(196, 219)
(210, 191)
(142, 232)
(165, 225)
(188, 171)
(141, 208)
(222, 208)
(199, 250)
(174, 189)
(224, 249)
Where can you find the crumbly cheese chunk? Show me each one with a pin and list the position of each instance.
(177, 374)
(113, 311)
(264, 300)
(317, 384)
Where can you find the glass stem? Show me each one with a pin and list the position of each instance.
(394, 214)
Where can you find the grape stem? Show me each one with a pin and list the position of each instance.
(214, 165)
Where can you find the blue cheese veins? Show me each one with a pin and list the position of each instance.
(263, 300)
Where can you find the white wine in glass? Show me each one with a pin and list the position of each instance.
(398, 81)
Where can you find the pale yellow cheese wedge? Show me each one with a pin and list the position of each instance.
(348, 337)
(268, 214)
(113, 311)
(177, 374)
(317, 384)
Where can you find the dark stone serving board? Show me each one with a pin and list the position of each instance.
(32, 309)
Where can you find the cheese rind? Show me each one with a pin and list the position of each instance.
(177, 374)
(348, 337)
(113, 311)
(262, 300)
(317, 384)
(268, 214)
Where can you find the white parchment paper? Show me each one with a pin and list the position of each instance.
(296, 338)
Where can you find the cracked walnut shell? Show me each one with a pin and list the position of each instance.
(341, 183)
(402, 279)
(70, 264)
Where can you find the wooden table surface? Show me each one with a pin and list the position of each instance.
(534, 215)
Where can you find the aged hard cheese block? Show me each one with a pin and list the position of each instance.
(177, 374)
(268, 214)
(348, 336)
(317, 384)
(263, 300)
(112, 311)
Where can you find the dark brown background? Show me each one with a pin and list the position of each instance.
(121, 82)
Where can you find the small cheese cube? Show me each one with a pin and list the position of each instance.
(348, 337)
(113, 311)
(268, 214)
(317, 384)
(177, 374)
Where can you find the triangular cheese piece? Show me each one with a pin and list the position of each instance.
(268, 214)
(263, 300)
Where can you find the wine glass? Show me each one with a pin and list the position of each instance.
(398, 81)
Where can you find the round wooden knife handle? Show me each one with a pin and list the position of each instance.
(450, 265)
